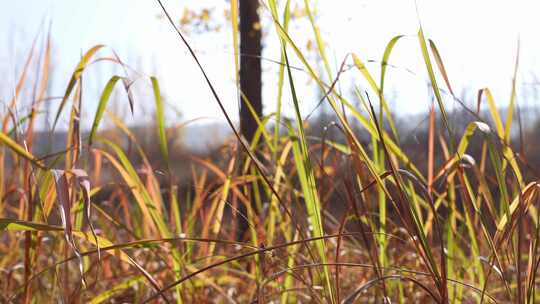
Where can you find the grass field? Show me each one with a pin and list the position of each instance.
(357, 220)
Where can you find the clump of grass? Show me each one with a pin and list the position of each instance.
(343, 222)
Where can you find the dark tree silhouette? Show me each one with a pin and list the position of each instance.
(250, 82)
(250, 66)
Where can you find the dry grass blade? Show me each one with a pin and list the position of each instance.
(74, 78)
(21, 82)
(83, 183)
(435, 87)
(63, 191)
(440, 64)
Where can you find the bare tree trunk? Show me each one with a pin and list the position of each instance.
(250, 66)
(250, 85)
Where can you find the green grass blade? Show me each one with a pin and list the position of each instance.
(103, 100)
(19, 225)
(436, 91)
(384, 64)
(367, 75)
(20, 151)
(160, 119)
(307, 181)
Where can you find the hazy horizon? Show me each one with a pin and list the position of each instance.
(478, 47)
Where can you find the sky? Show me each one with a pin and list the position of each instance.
(477, 41)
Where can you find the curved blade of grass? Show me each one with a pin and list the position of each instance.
(493, 111)
(435, 87)
(103, 100)
(469, 131)
(20, 151)
(83, 183)
(501, 133)
(440, 64)
(160, 119)
(64, 195)
(74, 78)
(367, 75)
(19, 225)
(386, 56)
(260, 124)
(526, 200)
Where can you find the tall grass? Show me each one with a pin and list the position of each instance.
(333, 222)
